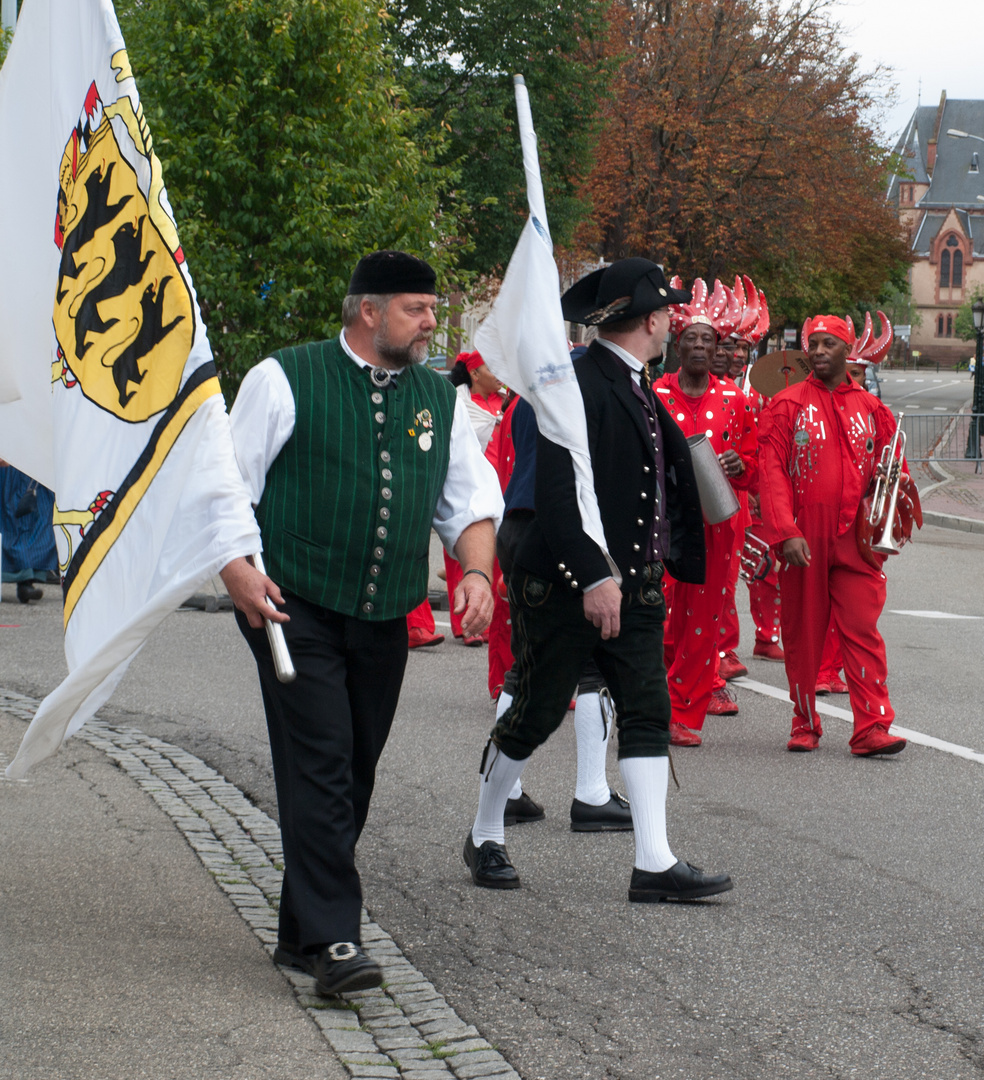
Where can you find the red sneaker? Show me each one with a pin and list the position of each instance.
(418, 638)
(731, 667)
(769, 650)
(838, 686)
(877, 740)
(722, 703)
(822, 688)
(803, 741)
(681, 735)
(473, 640)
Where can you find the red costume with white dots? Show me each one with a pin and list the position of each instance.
(818, 453)
(693, 628)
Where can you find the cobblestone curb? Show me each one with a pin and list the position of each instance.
(405, 1028)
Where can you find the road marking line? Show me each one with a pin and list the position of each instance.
(916, 737)
(933, 614)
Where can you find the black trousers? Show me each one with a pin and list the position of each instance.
(327, 731)
(553, 641)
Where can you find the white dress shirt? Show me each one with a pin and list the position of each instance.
(262, 420)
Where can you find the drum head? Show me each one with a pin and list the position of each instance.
(777, 370)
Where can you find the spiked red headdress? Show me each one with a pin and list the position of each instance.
(754, 323)
(827, 324)
(716, 309)
(868, 349)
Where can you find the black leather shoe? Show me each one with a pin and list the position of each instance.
(681, 882)
(27, 591)
(489, 865)
(522, 810)
(344, 967)
(291, 956)
(612, 816)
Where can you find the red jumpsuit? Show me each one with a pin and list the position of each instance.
(818, 453)
(694, 627)
(763, 596)
(500, 631)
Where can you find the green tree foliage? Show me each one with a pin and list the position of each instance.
(6, 37)
(288, 154)
(736, 140)
(963, 324)
(458, 59)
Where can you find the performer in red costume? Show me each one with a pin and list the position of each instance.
(820, 443)
(700, 404)
(763, 595)
(866, 351)
(481, 391)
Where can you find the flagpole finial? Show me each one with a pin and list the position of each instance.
(518, 80)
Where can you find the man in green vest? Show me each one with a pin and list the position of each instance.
(352, 450)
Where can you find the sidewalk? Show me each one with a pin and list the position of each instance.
(119, 956)
(952, 495)
(136, 935)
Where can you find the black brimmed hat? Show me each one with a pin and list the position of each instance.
(627, 288)
(385, 272)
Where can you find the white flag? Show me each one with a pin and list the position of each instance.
(119, 411)
(524, 343)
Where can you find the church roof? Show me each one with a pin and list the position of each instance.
(952, 181)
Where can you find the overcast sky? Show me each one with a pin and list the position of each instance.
(940, 42)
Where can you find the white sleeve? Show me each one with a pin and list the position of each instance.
(471, 489)
(482, 421)
(262, 420)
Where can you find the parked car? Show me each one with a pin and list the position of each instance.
(871, 381)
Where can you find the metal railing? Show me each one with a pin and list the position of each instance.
(943, 437)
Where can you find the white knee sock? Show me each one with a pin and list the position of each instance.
(505, 700)
(593, 717)
(498, 778)
(646, 780)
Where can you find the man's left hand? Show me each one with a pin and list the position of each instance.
(474, 597)
(731, 463)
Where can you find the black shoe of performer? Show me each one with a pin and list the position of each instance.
(612, 816)
(27, 591)
(681, 882)
(489, 865)
(343, 967)
(522, 810)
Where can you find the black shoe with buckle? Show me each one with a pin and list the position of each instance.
(681, 882)
(28, 591)
(612, 816)
(489, 865)
(522, 810)
(291, 956)
(343, 967)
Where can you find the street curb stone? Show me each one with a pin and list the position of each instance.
(376, 1033)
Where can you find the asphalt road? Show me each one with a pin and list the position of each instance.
(851, 945)
(929, 401)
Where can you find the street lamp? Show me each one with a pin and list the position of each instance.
(977, 419)
(953, 133)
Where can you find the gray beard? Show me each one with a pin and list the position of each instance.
(400, 356)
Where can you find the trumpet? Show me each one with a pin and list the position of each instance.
(884, 502)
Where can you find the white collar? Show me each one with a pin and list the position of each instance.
(343, 341)
(636, 365)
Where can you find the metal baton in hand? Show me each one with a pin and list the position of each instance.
(275, 635)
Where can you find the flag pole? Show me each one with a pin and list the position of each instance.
(275, 635)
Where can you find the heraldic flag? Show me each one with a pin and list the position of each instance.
(523, 340)
(117, 407)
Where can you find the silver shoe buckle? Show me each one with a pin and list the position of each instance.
(343, 950)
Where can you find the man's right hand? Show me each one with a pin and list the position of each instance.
(249, 589)
(796, 551)
(603, 607)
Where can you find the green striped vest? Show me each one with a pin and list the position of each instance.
(348, 503)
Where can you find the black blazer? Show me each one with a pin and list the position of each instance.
(555, 547)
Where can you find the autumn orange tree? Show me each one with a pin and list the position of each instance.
(736, 139)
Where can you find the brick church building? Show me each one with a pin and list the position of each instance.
(939, 193)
